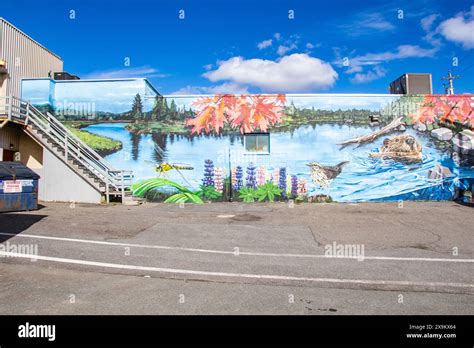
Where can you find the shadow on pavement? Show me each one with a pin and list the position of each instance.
(471, 205)
(16, 223)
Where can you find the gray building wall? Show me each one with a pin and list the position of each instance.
(9, 138)
(25, 58)
(59, 183)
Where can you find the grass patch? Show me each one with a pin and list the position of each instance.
(103, 145)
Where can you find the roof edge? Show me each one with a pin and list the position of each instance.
(30, 38)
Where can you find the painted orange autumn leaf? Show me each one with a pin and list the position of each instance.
(245, 112)
(446, 108)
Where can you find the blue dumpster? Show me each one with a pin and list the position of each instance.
(18, 187)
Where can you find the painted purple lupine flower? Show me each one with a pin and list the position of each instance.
(208, 173)
(282, 181)
(239, 174)
(294, 186)
(251, 179)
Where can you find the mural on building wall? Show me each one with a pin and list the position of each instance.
(276, 147)
(324, 148)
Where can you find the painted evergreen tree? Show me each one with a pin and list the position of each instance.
(137, 108)
(166, 110)
(158, 109)
(251, 180)
(173, 110)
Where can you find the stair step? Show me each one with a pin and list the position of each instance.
(54, 142)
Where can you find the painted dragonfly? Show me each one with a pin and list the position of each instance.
(163, 167)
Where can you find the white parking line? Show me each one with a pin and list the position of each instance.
(241, 275)
(211, 251)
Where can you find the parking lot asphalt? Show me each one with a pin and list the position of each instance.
(236, 258)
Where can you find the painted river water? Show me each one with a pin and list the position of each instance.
(363, 179)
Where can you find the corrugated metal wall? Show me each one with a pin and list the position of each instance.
(9, 138)
(25, 57)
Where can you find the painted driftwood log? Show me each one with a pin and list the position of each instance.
(392, 126)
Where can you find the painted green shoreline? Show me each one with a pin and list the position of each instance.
(288, 124)
(103, 145)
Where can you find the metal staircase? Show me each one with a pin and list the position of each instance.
(78, 156)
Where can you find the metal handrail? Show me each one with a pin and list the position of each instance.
(17, 109)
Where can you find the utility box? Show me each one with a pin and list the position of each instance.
(18, 187)
(412, 84)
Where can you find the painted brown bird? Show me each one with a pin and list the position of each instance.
(324, 175)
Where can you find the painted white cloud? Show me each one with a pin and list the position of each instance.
(294, 73)
(225, 88)
(459, 29)
(264, 44)
(138, 72)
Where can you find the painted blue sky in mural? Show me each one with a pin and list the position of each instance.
(239, 46)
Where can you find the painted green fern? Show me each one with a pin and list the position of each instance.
(247, 194)
(268, 191)
(183, 196)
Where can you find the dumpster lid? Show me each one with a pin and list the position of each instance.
(16, 170)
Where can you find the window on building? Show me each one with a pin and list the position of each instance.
(257, 143)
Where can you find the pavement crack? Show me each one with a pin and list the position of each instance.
(313, 234)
